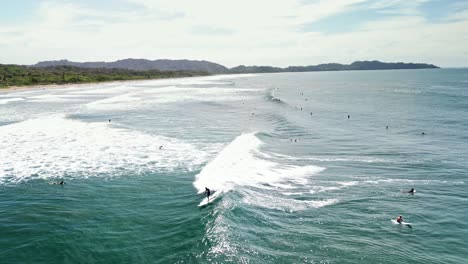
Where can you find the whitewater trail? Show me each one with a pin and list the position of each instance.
(55, 146)
(242, 164)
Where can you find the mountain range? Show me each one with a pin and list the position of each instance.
(214, 68)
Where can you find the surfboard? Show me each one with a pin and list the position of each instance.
(402, 223)
(212, 198)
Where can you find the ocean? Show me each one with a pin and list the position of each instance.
(306, 168)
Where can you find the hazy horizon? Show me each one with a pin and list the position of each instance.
(298, 32)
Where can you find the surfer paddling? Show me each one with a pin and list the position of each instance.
(411, 191)
(207, 193)
(400, 219)
(59, 183)
(402, 222)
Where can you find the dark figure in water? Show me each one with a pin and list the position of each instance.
(60, 183)
(411, 191)
(160, 147)
(311, 113)
(207, 193)
(349, 116)
(109, 120)
(423, 133)
(400, 219)
(386, 127)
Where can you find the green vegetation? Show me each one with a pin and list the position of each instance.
(16, 75)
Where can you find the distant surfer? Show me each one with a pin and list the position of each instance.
(207, 193)
(411, 191)
(160, 147)
(349, 116)
(311, 113)
(109, 120)
(386, 127)
(423, 133)
(59, 183)
(400, 219)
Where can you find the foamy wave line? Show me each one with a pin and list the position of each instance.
(343, 184)
(6, 101)
(346, 184)
(285, 204)
(333, 158)
(115, 101)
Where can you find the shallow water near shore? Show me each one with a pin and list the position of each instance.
(299, 181)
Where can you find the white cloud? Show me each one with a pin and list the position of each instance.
(230, 33)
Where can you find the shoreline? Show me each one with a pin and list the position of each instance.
(55, 86)
(15, 88)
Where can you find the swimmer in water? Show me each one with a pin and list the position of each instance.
(400, 219)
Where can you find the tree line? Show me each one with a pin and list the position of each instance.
(18, 75)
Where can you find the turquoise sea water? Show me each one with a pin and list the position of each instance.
(298, 181)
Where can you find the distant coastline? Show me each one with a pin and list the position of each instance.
(67, 72)
(355, 66)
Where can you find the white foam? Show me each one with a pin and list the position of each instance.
(54, 97)
(173, 94)
(284, 204)
(102, 89)
(363, 159)
(150, 96)
(206, 82)
(319, 189)
(8, 100)
(292, 193)
(412, 181)
(56, 146)
(238, 165)
(128, 97)
(346, 184)
(343, 159)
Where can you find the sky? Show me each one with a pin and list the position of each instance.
(248, 32)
